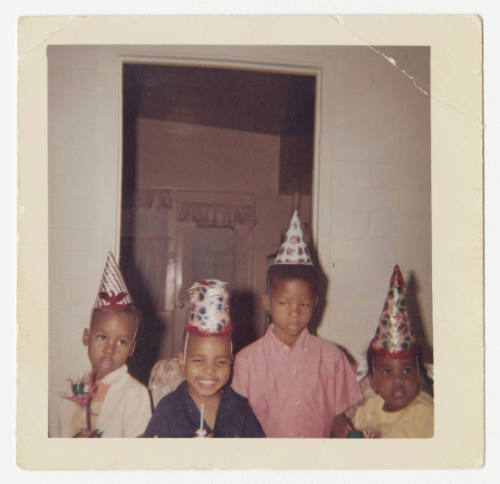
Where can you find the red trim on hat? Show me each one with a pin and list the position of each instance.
(395, 354)
(196, 330)
(207, 283)
(113, 302)
(115, 307)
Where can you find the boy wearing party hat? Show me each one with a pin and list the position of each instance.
(401, 408)
(203, 405)
(119, 404)
(297, 384)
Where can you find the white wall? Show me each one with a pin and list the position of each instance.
(377, 198)
(83, 187)
(374, 183)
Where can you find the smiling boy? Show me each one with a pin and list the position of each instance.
(206, 363)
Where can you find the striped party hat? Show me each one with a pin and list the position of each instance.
(113, 294)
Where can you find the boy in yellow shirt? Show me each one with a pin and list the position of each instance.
(401, 408)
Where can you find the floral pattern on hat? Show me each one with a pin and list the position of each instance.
(209, 308)
(395, 336)
(294, 250)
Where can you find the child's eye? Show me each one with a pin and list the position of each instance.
(123, 341)
(101, 337)
(407, 371)
(223, 362)
(386, 371)
(305, 305)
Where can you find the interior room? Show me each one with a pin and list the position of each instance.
(198, 155)
(215, 161)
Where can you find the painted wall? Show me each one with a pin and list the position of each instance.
(373, 183)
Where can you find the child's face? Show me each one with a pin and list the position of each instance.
(396, 380)
(291, 303)
(207, 365)
(110, 342)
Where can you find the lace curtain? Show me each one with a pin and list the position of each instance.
(145, 246)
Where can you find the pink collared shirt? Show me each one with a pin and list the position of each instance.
(295, 391)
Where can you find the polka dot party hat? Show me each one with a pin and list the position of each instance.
(113, 294)
(209, 308)
(395, 337)
(294, 250)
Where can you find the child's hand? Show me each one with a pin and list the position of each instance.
(88, 434)
(202, 434)
(341, 426)
(83, 434)
(370, 433)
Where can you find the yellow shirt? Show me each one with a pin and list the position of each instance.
(415, 420)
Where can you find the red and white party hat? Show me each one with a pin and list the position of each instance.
(209, 308)
(113, 294)
(395, 336)
(294, 250)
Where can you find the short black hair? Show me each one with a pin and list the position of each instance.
(283, 272)
(132, 311)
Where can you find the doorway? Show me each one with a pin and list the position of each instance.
(214, 162)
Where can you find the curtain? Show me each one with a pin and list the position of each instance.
(145, 246)
(220, 215)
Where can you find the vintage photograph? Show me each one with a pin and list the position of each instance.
(275, 239)
(287, 186)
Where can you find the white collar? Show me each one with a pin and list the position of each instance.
(114, 376)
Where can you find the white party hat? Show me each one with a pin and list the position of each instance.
(294, 250)
(113, 294)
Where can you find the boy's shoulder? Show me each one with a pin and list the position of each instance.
(175, 398)
(135, 383)
(315, 341)
(329, 345)
(423, 400)
(130, 387)
(258, 346)
(325, 348)
(235, 403)
(234, 397)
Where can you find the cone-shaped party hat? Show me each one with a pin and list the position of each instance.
(113, 294)
(209, 308)
(395, 337)
(294, 250)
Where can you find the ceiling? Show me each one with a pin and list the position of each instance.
(262, 102)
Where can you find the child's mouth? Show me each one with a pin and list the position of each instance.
(207, 383)
(106, 362)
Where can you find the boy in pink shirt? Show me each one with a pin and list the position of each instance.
(297, 384)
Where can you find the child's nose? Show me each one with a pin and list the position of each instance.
(110, 347)
(209, 368)
(397, 377)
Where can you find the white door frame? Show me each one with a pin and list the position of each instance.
(281, 68)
